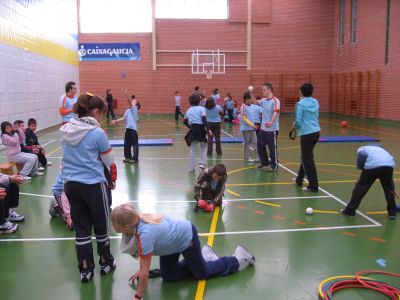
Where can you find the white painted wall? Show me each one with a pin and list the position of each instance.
(30, 84)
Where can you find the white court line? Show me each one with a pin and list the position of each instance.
(163, 158)
(223, 131)
(207, 233)
(193, 201)
(289, 230)
(337, 199)
(47, 143)
(36, 195)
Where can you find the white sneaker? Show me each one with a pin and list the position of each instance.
(202, 166)
(26, 178)
(208, 253)
(37, 174)
(13, 216)
(8, 227)
(251, 160)
(49, 163)
(40, 169)
(244, 257)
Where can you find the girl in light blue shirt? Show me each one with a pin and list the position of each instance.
(214, 114)
(86, 150)
(147, 235)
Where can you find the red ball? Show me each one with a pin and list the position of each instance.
(344, 124)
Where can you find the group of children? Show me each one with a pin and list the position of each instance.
(259, 124)
(83, 189)
(23, 148)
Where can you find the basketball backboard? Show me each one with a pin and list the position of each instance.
(208, 62)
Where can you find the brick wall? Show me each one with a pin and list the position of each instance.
(368, 52)
(298, 40)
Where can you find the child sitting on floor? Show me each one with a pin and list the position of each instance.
(210, 187)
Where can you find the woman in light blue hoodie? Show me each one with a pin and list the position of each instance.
(307, 114)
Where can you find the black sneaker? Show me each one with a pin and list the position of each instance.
(106, 268)
(86, 275)
(343, 212)
(392, 217)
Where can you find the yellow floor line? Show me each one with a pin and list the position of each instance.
(233, 193)
(267, 203)
(326, 211)
(241, 169)
(377, 212)
(201, 285)
(54, 151)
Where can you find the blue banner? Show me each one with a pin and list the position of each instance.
(109, 51)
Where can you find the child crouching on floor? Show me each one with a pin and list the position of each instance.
(210, 187)
(59, 206)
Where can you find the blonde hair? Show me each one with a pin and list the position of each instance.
(126, 215)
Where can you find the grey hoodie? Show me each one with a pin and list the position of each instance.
(76, 129)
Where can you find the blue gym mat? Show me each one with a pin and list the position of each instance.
(232, 140)
(142, 142)
(346, 139)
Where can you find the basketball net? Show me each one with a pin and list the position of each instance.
(209, 74)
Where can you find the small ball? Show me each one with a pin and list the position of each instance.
(250, 88)
(309, 211)
(344, 124)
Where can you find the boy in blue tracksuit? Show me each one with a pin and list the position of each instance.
(268, 134)
(375, 162)
(307, 113)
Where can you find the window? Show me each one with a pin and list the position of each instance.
(117, 16)
(342, 14)
(353, 36)
(192, 9)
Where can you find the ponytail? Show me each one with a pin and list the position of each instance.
(86, 103)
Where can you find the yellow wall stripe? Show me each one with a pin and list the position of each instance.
(20, 37)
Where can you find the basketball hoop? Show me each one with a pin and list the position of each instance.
(209, 74)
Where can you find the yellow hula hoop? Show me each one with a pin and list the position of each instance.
(321, 294)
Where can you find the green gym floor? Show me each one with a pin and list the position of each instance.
(263, 211)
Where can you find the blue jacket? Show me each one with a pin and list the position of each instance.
(373, 156)
(307, 113)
